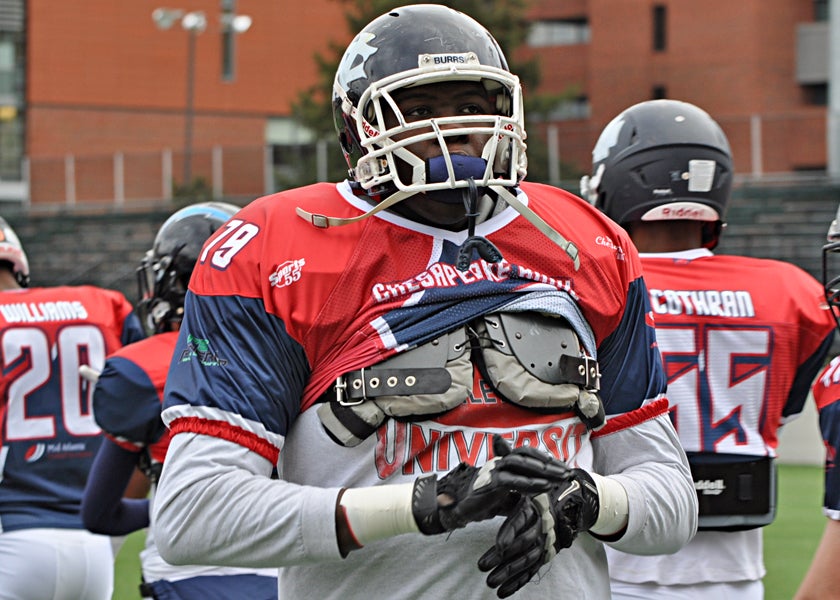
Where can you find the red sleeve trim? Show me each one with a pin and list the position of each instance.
(124, 444)
(633, 418)
(226, 431)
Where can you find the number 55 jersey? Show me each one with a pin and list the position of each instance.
(741, 341)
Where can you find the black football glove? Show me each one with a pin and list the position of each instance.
(467, 494)
(538, 528)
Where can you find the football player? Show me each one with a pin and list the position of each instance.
(49, 436)
(741, 339)
(823, 578)
(127, 404)
(419, 350)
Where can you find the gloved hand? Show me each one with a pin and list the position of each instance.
(538, 528)
(467, 494)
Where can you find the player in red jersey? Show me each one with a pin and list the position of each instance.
(127, 404)
(739, 351)
(49, 437)
(418, 351)
(823, 579)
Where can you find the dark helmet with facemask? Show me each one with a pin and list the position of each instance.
(413, 46)
(165, 271)
(662, 160)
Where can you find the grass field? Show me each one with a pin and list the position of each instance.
(789, 543)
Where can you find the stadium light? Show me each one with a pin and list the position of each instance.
(194, 23)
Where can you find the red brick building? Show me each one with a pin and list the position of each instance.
(95, 106)
(758, 66)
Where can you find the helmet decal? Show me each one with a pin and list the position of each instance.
(608, 139)
(358, 49)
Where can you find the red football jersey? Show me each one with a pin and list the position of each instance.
(741, 341)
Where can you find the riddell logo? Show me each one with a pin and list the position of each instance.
(681, 213)
(709, 487)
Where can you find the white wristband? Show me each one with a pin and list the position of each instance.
(614, 506)
(376, 513)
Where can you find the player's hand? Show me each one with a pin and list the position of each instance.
(537, 529)
(467, 494)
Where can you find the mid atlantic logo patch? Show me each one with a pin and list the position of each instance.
(34, 452)
(200, 349)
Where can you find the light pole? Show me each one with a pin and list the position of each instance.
(195, 23)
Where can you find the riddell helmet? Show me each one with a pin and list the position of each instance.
(11, 250)
(662, 160)
(417, 45)
(831, 274)
(165, 271)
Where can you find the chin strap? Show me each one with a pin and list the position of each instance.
(537, 221)
(324, 222)
(486, 249)
(480, 243)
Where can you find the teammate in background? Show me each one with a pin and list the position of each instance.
(823, 578)
(369, 338)
(49, 437)
(127, 404)
(741, 340)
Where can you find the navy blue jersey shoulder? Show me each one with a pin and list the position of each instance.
(228, 356)
(126, 402)
(639, 375)
(132, 329)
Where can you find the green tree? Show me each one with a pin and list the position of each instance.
(507, 21)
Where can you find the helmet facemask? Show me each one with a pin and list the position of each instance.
(385, 135)
(161, 290)
(164, 273)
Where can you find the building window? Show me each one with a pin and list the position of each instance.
(821, 10)
(816, 94)
(12, 120)
(566, 32)
(658, 92)
(572, 109)
(660, 38)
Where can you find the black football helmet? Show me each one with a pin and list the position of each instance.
(662, 160)
(11, 251)
(830, 270)
(165, 271)
(418, 45)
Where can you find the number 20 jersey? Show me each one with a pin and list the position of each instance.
(49, 435)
